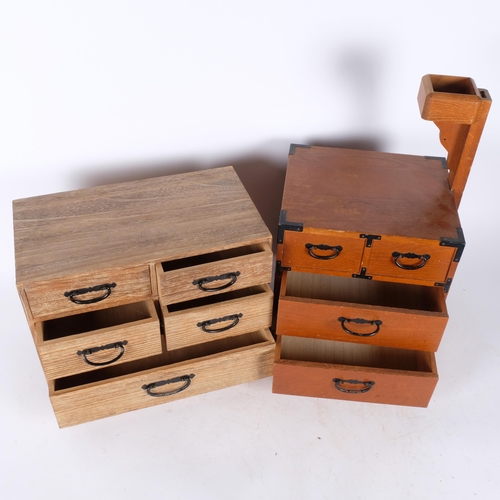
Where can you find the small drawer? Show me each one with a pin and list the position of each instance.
(354, 372)
(216, 317)
(410, 260)
(88, 292)
(361, 311)
(92, 340)
(329, 252)
(161, 379)
(218, 272)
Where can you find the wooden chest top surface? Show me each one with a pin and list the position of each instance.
(369, 192)
(124, 224)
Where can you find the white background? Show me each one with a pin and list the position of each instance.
(93, 92)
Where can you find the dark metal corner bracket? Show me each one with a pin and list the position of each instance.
(458, 243)
(285, 225)
(293, 147)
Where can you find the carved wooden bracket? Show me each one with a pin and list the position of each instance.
(459, 109)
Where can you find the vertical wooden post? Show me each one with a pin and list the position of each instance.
(459, 109)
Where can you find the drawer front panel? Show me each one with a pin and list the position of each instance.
(310, 374)
(332, 252)
(410, 260)
(89, 292)
(188, 378)
(220, 320)
(364, 324)
(253, 267)
(361, 311)
(407, 389)
(136, 337)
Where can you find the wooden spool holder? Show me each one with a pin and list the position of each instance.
(459, 109)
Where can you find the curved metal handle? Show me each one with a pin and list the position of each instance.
(92, 350)
(335, 251)
(338, 385)
(423, 260)
(184, 378)
(82, 291)
(235, 318)
(227, 276)
(360, 321)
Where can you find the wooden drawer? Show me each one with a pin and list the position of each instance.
(354, 372)
(330, 252)
(216, 317)
(218, 272)
(91, 340)
(177, 374)
(361, 311)
(89, 292)
(410, 260)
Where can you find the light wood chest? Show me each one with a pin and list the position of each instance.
(144, 292)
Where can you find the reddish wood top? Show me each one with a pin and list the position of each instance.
(369, 192)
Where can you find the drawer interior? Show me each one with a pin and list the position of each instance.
(216, 299)
(95, 320)
(345, 353)
(377, 293)
(165, 359)
(197, 260)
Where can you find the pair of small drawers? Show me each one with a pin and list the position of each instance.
(211, 308)
(387, 258)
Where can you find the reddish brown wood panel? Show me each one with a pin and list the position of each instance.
(331, 252)
(409, 329)
(369, 192)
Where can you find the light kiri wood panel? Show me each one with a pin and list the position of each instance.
(225, 315)
(338, 370)
(214, 273)
(214, 366)
(50, 299)
(61, 342)
(125, 224)
(361, 311)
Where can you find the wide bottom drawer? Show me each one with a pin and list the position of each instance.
(354, 372)
(160, 379)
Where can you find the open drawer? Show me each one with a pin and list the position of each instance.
(354, 372)
(163, 378)
(361, 311)
(217, 316)
(212, 273)
(92, 340)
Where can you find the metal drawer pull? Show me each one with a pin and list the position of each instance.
(183, 378)
(423, 260)
(360, 321)
(82, 291)
(335, 251)
(367, 386)
(92, 350)
(235, 318)
(228, 276)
